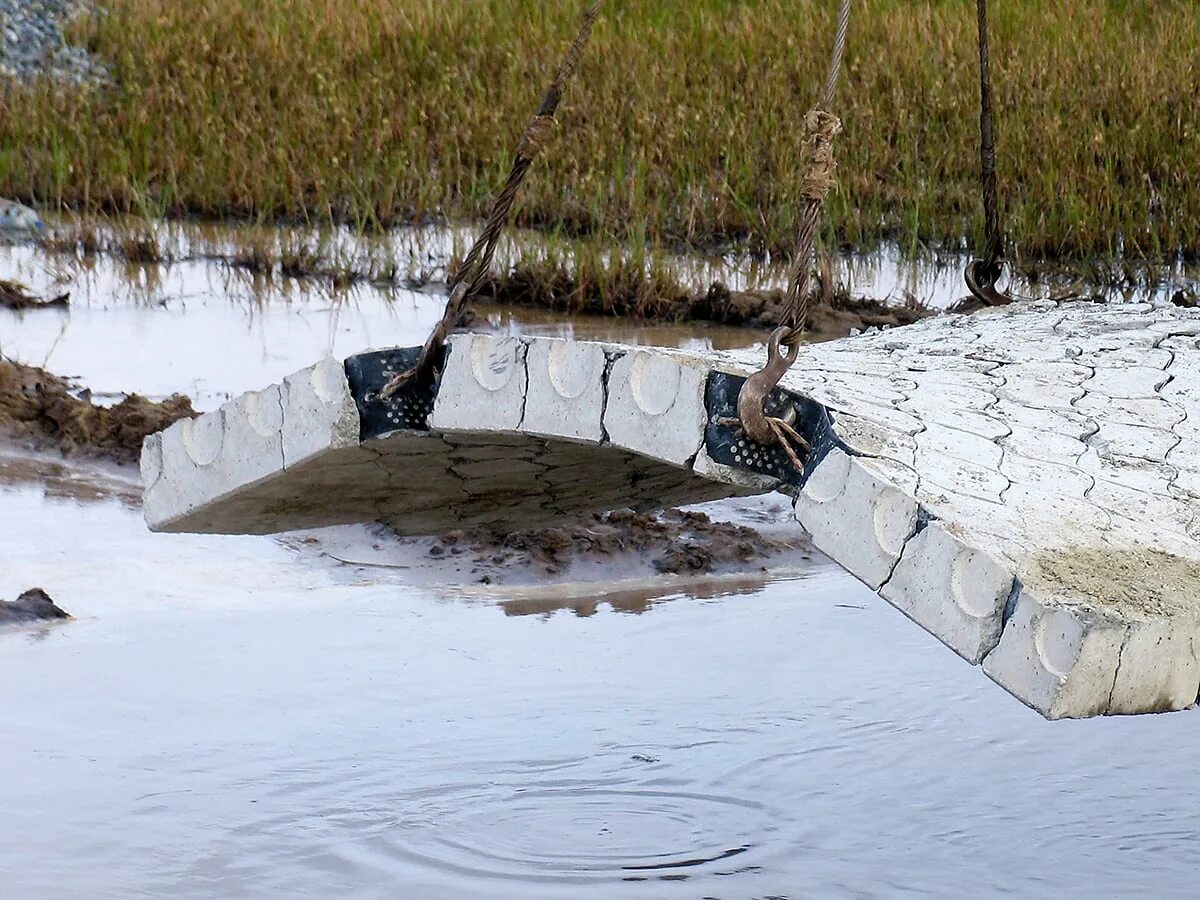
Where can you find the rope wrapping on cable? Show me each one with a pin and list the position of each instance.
(469, 276)
(821, 126)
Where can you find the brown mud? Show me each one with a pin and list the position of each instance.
(674, 541)
(15, 296)
(43, 411)
(34, 605)
(629, 292)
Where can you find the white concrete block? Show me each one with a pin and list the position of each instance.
(957, 476)
(566, 390)
(196, 461)
(1158, 670)
(1127, 382)
(955, 591)
(483, 385)
(318, 411)
(938, 440)
(1059, 659)
(1154, 412)
(902, 475)
(1051, 479)
(872, 439)
(856, 517)
(656, 406)
(252, 446)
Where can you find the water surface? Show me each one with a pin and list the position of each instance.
(248, 717)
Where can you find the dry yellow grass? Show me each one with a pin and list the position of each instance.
(680, 130)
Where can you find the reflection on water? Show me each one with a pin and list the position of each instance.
(78, 480)
(631, 595)
(197, 327)
(203, 327)
(227, 717)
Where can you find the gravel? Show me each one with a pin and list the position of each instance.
(32, 42)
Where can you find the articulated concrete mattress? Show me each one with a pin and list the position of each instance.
(1022, 483)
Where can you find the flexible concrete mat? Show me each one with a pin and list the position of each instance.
(1022, 482)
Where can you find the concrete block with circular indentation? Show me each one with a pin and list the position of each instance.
(565, 398)
(483, 385)
(1060, 660)
(953, 590)
(318, 412)
(1070, 660)
(656, 406)
(858, 517)
(198, 460)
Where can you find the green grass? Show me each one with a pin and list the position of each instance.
(680, 131)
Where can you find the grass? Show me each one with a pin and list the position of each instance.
(681, 130)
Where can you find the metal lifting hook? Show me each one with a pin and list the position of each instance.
(981, 280)
(753, 396)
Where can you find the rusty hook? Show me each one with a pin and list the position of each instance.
(753, 395)
(981, 277)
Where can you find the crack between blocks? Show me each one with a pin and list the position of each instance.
(920, 523)
(283, 386)
(907, 396)
(1010, 608)
(994, 390)
(377, 461)
(524, 393)
(1176, 472)
(1092, 428)
(610, 360)
(1117, 670)
(1006, 613)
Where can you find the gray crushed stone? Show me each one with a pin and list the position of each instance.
(32, 42)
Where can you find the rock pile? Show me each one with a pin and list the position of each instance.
(32, 42)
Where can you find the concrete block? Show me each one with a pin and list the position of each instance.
(483, 385)
(959, 477)
(566, 391)
(1129, 381)
(656, 406)
(1059, 659)
(1153, 412)
(872, 439)
(319, 413)
(200, 460)
(953, 590)
(856, 517)
(1073, 661)
(1158, 670)
(902, 475)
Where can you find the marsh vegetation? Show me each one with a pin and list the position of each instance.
(679, 132)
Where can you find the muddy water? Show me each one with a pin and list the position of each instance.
(249, 717)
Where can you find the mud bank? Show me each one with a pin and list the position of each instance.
(633, 294)
(34, 605)
(15, 296)
(673, 542)
(43, 411)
